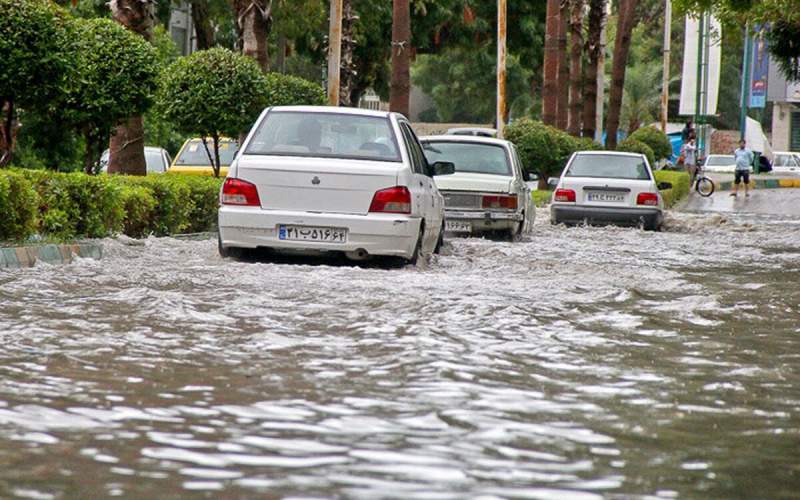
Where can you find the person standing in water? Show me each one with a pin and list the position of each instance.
(744, 160)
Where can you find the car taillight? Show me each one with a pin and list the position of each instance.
(239, 192)
(647, 199)
(507, 202)
(396, 200)
(564, 195)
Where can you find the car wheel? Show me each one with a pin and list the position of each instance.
(515, 233)
(228, 252)
(440, 241)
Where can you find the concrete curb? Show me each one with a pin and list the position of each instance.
(28, 256)
(764, 184)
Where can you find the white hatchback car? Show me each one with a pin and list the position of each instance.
(607, 187)
(786, 162)
(325, 179)
(488, 192)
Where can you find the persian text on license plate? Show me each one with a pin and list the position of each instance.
(457, 226)
(608, 197)
(310, 233)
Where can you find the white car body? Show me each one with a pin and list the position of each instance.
(721, 164)
(474, 131)
(466, 193)
(601, 199)
(786, 162)
(157, 160)
(305, 199)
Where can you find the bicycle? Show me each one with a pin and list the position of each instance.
(703, 185)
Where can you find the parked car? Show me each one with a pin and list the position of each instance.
(785, 161)
(156, 159)
(475, 131)
(489, 190)
(723, 164)
(192, 159)
(607, 187)
(326, 179)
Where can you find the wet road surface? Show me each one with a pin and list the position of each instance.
(580, 363)
(781, 202)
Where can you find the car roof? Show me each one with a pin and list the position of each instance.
(333, 109)
(475, 139)
(456, 130)
(717, 155)
(607, 152)
(785, 153)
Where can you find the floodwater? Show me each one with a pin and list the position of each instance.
(580, 363)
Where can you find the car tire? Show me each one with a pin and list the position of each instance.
(440, 241)
(229, 252)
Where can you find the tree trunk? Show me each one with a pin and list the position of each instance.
(347, 73)
(126, 147)
(400, 86)
(8, 131)
(562, 112)
(550, 83)
(253, 23)
(204, 32)
(597, 12)
(622, 44)
(576, 68)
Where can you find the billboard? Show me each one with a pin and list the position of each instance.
(689, 75)
(759, 68)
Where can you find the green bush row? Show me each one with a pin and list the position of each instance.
(66, 206)
(680, 186)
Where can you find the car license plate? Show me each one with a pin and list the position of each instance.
(606, 197)
(457, 226)
(310, 233)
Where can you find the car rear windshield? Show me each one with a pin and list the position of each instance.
(195, 155)
(325, 135)
(720, 160)
(609, 166)
(470, 157)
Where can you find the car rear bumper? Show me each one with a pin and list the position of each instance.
(480, 220)
(571, 214)
(377, 234)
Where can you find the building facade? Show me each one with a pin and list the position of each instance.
(785, 98)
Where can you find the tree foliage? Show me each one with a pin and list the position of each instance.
(631, 145)
(287, 90)
(657, 140)
(114, 77)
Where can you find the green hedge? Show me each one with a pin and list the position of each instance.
(680, 186)
(633, 146)
(656, 139)
(66, 206)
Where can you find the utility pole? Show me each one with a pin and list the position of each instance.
(501, 66)
(744, 98)
(400, 84)
(601, 78)
(550, 83)
(334, 52)
(665, 76)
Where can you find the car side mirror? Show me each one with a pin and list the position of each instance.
(663, 186)
(526, 176)
(443, 168)
(552, 182)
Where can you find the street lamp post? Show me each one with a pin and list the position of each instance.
(334, 52)
(501, 66)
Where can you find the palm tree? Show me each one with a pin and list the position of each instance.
(622, 45)
(562, 112)
(550, 83)
(597, 13)
(127, 143)
(642, 98)
(400, 85)
(253, 23)
(575, 68)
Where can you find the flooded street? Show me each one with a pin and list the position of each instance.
(579, 363)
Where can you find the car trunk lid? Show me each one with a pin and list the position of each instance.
(607, 192)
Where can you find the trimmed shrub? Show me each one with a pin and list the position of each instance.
(288, 90)
(18, 206)
(656, 139)
(542, 149)
(139, 205)
(680, 186)
(633, 146)
(204, 194)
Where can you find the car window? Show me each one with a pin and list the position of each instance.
(194, 154)
(608, 166)
(325, 135)
(470, 157)
(154, 160)
(418, 161)
(720, 160)
(785, 161)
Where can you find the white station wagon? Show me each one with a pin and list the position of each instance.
(607, 187)
(488, 192)
(325, 179)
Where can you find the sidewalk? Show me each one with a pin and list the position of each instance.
(28, 256)
(724, 182)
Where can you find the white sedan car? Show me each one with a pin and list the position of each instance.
(786, 162)
(722, 164)
(488, 192)
(607, 187)
(324, 179)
